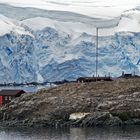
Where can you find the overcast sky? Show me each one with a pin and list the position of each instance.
(93, 8)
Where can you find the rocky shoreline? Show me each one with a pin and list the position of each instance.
(113, 103)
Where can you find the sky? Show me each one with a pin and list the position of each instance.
(92, 8)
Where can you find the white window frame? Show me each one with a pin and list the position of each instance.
(6, 98)
(10, 98)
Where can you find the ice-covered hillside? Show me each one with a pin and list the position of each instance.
(44, 45)
(92, 8)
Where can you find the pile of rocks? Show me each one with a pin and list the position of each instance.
(100, 103)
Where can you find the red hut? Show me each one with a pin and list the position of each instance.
(7, 95)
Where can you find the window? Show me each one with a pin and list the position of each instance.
(6, 98)
(10, 98)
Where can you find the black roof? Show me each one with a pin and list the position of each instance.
(92, 78)
(11, 92)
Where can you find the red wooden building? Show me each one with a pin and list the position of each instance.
(7, 95)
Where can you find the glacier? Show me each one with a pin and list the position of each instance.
(92, 8)
(42, 45)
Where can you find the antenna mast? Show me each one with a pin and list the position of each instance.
(97, 33)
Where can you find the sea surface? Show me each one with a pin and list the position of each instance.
(115, 133)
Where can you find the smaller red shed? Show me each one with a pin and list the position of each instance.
(7, 95)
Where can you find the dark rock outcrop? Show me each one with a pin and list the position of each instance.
(91, 104)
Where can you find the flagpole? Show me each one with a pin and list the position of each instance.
(97, 43)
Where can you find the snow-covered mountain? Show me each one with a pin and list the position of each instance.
(56, 44)
(92, 8)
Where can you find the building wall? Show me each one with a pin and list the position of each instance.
(7, 99)
(1, 100)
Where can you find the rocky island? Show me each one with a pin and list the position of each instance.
(77, 104)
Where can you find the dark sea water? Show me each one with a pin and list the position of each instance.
(116, 133)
